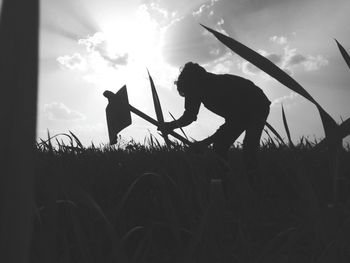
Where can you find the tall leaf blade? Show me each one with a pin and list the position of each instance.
(183, 132)
(158, 107)
(342, 131)
(271, 69)
(156, 100)
(273, 130)
(80, 145)
(286, 128)
(344, 53)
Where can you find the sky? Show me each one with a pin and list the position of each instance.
(89, 46)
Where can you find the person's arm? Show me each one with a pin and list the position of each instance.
(192, 106)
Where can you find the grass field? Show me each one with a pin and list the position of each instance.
(151, 203)
(146, 203)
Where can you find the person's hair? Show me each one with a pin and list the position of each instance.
(189, 77)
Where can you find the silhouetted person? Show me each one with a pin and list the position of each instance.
(243, 105)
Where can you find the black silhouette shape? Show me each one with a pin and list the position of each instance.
(243, 105)
(118, 115)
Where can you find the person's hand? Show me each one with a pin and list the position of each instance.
(165, 128)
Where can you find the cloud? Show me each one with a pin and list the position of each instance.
(292, 96)
(206, 14)
(57, 111)
(314, 63)
(163, 16)
(92, 42)
(296, 59)
(290, 60)
(275, 58)
(97, 44)
(185, 40)
(205, 9)
(281, 40)
(75, 61)
(224, 65)
(96, 53)
(115, 60)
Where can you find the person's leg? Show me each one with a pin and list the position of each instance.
(251, 144)
(251, 141)
(225, 137)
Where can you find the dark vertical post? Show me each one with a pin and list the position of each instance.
(19, 21)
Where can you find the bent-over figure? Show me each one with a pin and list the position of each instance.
(239, 101)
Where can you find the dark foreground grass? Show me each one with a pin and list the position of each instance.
(151, 204)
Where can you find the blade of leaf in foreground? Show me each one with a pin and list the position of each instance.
(271, 69)
(272, 129)
(342, 131)
(157, 107)
(183, 132)
(286, 127)
(344, 53)
(77, 140)
(156, 101)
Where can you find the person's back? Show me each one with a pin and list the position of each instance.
(230, 96)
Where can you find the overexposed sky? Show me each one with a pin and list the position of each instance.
(88, 46)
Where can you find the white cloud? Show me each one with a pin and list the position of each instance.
(287, 98)
(75, 61)
(293, 59)
(92, 42)
(206, 15)
(315, 62)
(57, 111)
(288, 60)
(222, 66)
(281, 40)
(97, 44)
(205, 8)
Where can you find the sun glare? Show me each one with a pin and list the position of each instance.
(121, 53)
(137, 36)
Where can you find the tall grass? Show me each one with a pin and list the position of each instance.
(149, 204)
(158, 107)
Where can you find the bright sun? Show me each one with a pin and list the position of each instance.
(138, 36)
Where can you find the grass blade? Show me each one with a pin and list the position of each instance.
(183, 132)
(80, 145)
(270, 140)
(286, 128)
(156, 101)
(344, 53)
(341, 132)
(274, 71)
(272, 129)
(158, 107)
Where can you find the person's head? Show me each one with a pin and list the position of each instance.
(190, 77)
